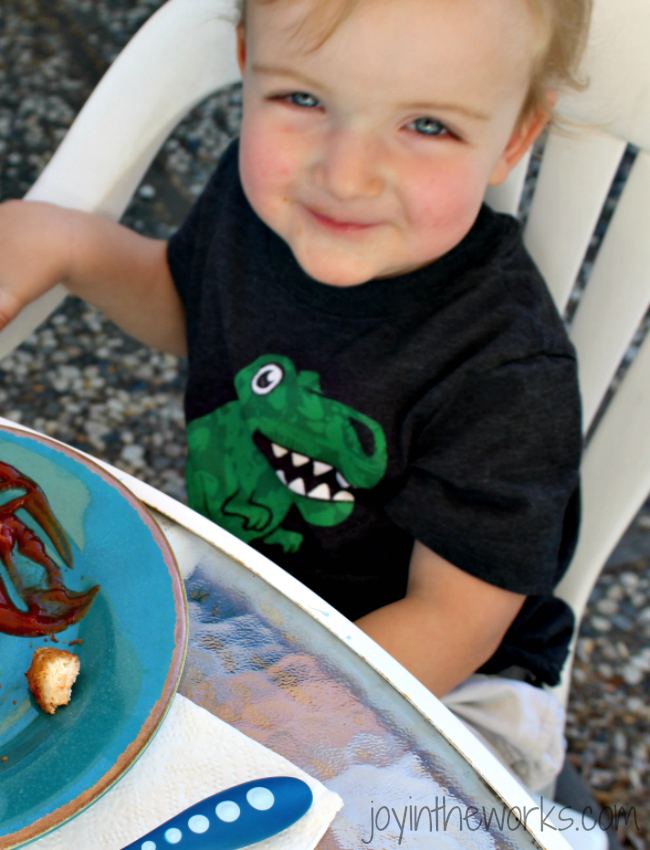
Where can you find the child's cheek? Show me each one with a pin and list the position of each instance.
(267, 170)
(448, 203)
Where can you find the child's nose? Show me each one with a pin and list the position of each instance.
(350, 166)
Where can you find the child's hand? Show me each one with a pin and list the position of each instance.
(35, 252)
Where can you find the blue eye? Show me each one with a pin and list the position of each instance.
(429, 127)
(304, 99)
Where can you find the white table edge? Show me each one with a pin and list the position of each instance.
(494, 774)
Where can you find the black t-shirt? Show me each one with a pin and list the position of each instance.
(330, 427)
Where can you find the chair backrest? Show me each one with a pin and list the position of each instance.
(187, 50)
(577, 170)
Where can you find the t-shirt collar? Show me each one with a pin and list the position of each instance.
(383, 296)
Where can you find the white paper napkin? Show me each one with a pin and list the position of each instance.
(193, 756)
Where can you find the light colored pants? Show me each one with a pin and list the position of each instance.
(521, 724)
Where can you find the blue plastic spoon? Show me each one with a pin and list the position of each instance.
(235, 818)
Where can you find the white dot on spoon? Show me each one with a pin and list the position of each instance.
(227, 811)
(260, 798)
(199, 824)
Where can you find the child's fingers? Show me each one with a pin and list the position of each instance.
(10, 306)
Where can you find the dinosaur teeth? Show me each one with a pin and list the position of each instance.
(321, 492)
(341, 480)
(303, 475)
(298, 486)
(343, 496)
(321, 468)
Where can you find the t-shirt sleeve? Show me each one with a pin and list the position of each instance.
(183, 248)
(188, 246)
(492, 484)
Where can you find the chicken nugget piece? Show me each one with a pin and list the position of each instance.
(51, 676)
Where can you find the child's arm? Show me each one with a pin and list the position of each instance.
(448, 624)
(124, 274)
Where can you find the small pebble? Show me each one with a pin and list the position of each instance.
(147, 193)
(629, 580)
(601, 624)
(632, 675)
(608, 607)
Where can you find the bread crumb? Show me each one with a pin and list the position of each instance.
(4, 758)
(51, 676)
(78, 640)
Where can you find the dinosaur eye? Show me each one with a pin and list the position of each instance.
(267, 378)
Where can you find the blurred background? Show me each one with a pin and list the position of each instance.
(81, 380)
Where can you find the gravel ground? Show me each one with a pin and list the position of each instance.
(81, 380)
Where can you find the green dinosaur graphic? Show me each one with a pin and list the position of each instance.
(282, 443)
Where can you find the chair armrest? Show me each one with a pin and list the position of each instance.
(182, 54)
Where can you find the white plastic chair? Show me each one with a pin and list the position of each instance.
(574, 180)
(186, 51)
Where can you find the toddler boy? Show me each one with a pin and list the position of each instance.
(381, 395)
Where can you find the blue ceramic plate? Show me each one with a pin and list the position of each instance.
(134, 640)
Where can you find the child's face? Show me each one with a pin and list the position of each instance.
(370, 155)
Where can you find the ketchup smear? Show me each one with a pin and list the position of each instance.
(51, 607)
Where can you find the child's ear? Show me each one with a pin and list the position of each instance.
(522, 138)
(241, 47)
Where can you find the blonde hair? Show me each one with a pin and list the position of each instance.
(562, 29)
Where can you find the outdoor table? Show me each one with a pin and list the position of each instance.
(268, 656)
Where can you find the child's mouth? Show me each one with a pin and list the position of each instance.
(338, 226)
